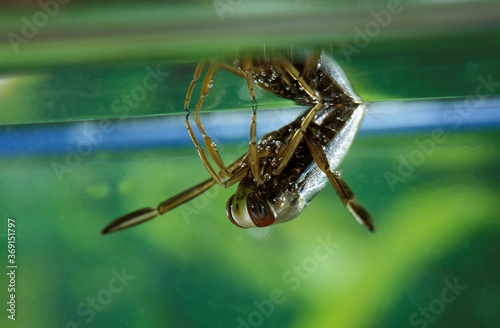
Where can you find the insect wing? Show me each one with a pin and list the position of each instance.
(333, 69)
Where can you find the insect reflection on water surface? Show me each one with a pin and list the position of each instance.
(280, 173)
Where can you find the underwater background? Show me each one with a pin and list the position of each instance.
(92, 127)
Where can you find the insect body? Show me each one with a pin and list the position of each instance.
(286, 168)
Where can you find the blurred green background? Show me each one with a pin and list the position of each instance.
(433, 261)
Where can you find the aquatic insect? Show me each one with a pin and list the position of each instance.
(280, 173)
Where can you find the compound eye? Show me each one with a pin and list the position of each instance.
(260, 211)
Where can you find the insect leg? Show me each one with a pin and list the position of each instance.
(253, 158)
(296, 138)
(343, 191)
(147, 213)
(290, 68)
(196, 77)
(311, 64)
(211, 147)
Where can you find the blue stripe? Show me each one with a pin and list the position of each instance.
(169, 131)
